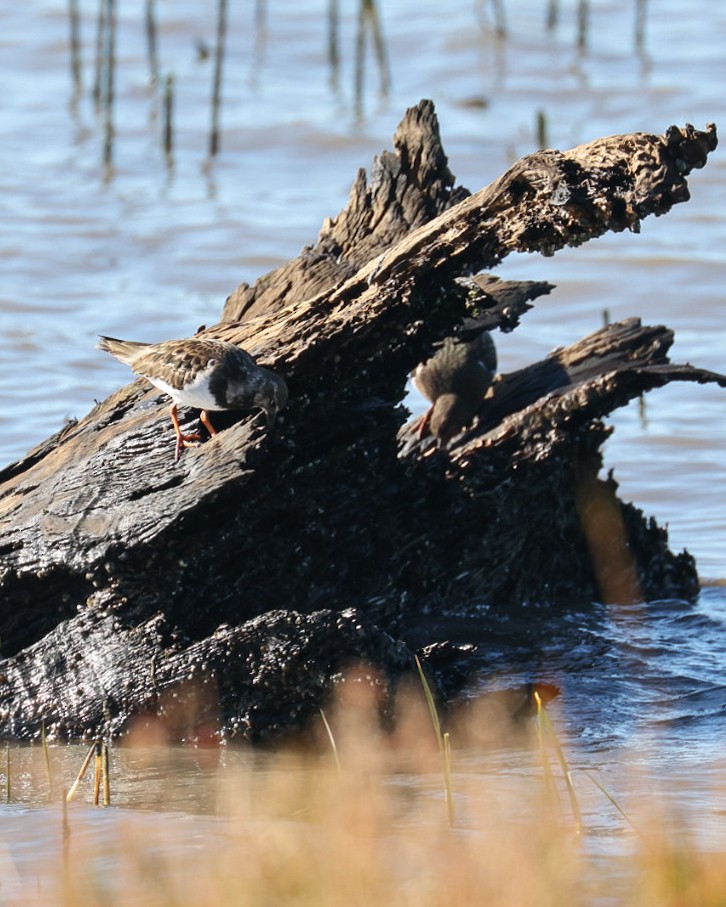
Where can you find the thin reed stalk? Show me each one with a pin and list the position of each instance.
(100, 59)
(151, 42)
(168, 117)
(500, 18)
(334, 43)
(65, 835)
(549, 734)
(331, 738)
(641, 12)
(214, 140)
(108, 97)
(97, 772)
(7, 773)
(583, 21)
(81, 774)
(360, 54)
(612, 799)
(542, 139)
(643, 412)
(448, 787)
(441, 739)
(75, 45)
(260, 37)
(46, 758)
(553, 14)
(369, 20)
(384, 72)
(106, 776)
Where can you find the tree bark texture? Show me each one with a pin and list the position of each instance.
(118, 567)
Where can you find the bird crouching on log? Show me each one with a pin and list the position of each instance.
(206, 374)
(455, 380)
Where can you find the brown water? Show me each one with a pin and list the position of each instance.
(150, 251)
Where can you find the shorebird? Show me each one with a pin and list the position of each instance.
(206, 374)
(455, 379)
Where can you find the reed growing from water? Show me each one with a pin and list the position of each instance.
(74, 21)
(443, 740)
(219, 51)
(152, 42)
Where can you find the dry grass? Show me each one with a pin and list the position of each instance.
(292, 829)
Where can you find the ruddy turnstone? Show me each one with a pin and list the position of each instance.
(202, 373)
(455, 379)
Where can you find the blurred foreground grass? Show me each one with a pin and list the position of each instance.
(366, 823)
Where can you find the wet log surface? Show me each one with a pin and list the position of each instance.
(240, 580)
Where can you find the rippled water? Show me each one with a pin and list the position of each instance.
(151, 250)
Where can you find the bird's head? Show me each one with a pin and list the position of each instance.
(271, 396)
(451, 412)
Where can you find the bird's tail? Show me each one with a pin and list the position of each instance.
(125, 350)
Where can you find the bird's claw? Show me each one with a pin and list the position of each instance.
(185, 441)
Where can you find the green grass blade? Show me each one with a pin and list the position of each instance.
(550, 735)
(331, 738)
(442, 739)
(431, 703)
(612, 799)
(46, 758)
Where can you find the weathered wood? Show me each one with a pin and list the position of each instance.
(99, 529)
(258, 681)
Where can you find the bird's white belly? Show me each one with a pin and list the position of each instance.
(196, 394)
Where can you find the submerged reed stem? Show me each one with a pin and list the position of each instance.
(217, 87)
(334, 43)
(583, 20)
(553, 14)
(368, 19)
(151, 42)
(640, 17)
(99, 56)
(542, 140)
(65, 834)
(109, 71)
(549, 736)
(168, 116)
(106, 776)
(75, 44)
(612, 799)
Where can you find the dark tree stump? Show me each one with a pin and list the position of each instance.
(115, 558)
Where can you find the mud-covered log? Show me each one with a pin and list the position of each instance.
(100, 529)
(260, 681)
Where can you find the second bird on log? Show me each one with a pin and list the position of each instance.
(455, 380)
(206, 374)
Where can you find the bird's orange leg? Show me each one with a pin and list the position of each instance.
(424, 423)
(206, 422)
(182, 440)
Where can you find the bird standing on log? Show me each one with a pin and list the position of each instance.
(455, 380)
(207, 374)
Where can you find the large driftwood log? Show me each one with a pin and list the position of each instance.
(119, 566)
